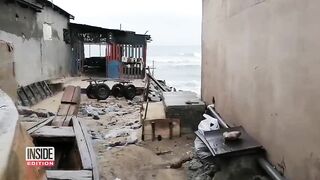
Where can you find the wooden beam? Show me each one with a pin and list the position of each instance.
(63, 110)
(71, 95)
(95, 169)
(62, 121)
(64, 174)
(40, 124)
(54, 132)
(58, 121)
(82, 145)
(67, 121)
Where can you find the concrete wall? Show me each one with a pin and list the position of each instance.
(7, 74)
(35, 58)
(261, 62)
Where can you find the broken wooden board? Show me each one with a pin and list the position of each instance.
(40, 124)
(68, 174)
(161, 129)
(62, 121)
(53, 132)
(71, 95)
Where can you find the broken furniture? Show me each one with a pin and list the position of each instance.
(156, 125)
(186, 106)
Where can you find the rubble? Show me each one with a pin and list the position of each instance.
(27, 112)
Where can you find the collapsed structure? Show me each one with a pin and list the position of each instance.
(39, 43)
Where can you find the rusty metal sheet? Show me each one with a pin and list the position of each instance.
(214, 140)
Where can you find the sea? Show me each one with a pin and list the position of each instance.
(179, 66)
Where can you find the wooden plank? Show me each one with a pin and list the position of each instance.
(40, 90)
(61, 121)
(63, 110)
(71, 95)
(166, 128)
(29, 95)
(40, 124)
(73, 110)
(23, 97)
(82, 145)
(155, 111)
(76, 95)
(54, 132)
(74, 175)
(35, 93)
(68, 94)
(45, 90)
(58, 121)
(48, 88)
(67, 121)
(95, 169)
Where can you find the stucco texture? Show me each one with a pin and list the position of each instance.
(35, 58)
(261, 61)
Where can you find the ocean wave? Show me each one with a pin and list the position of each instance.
(193, 54)
(193, 85)
(170, 60)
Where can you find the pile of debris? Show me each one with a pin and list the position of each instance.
(117, 119)
(28, 115)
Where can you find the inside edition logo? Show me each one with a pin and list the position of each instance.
(40, 156)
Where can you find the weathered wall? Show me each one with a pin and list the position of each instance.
(36, 59)
(7, 74)
(261, 62)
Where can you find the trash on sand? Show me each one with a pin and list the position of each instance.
(208, 124)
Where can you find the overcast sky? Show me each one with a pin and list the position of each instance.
(169, 22)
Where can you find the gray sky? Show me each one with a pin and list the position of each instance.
(169, 22)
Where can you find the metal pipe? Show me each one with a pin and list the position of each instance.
(216, 115)
(156, 81)
(272, 172)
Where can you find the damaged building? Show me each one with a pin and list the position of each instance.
(36, 30)
(107, 117)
